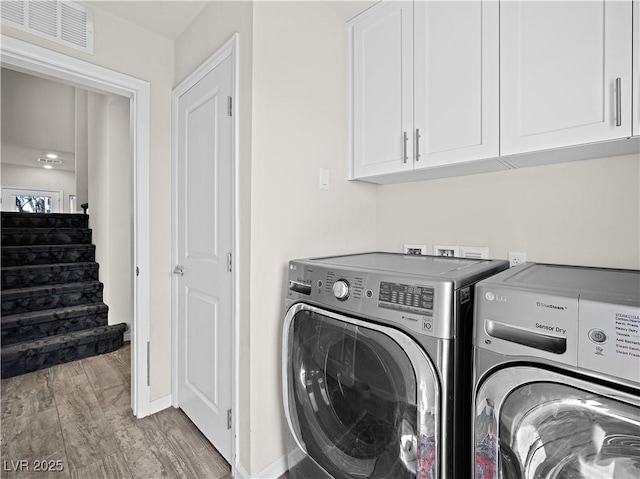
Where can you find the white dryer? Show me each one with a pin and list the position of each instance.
(377, 365)
(557, 374)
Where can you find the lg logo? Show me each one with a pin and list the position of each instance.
(495, 297)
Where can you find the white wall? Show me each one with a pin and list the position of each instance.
(109, 180)
(98, 182)
(581, 213)
(127, 48)
(38, 117)
(299, 126)
(17, 176)
(119, 287)
(37, 113)
(82, 149)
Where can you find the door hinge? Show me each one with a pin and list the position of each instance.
(228, 418)
(137, 271)
(229, 106)
(148, 363)
(229, 262)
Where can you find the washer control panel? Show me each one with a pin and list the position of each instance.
(418, 304)
(406, 297)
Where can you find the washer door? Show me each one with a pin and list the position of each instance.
(531, 423)
(361, 399)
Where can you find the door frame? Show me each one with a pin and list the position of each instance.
(29, 58)
(229, 49)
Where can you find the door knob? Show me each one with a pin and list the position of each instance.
(179, 269)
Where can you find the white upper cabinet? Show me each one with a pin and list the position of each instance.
(424, 85)
(565, 73)
(456, 81)
(382, 90)
(445, 88)
(636, 68)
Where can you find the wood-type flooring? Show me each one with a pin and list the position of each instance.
(75, 419)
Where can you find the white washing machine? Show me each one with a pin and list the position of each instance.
(557, 374)
(377, 365)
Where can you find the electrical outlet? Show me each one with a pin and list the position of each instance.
(446, 250)
(516, 258)
(415, 249)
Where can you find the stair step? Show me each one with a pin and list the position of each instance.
(48, 274)
(37, 298)
(45, 236)
(46, 254)
(31, 356)
(12, 219)
(18, 328)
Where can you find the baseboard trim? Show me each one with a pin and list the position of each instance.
(160, 404)
(273, 470)
(240, 472)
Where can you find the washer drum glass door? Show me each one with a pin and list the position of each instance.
(361, 399)
(531, 423)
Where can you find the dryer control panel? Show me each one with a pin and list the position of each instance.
(586, 318)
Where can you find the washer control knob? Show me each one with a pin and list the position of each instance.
(341, 289)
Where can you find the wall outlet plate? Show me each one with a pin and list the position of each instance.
(446, 250)
(415, 249)
(516, 258)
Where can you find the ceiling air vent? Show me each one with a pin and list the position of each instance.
(63, 22)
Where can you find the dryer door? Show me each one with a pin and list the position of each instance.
(361, 399)
(532, 423)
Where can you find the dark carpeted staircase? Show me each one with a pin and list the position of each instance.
(52, 309)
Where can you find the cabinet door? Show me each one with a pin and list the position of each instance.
(636, 68)
(456, 77)
(382, 90)
(560, 62)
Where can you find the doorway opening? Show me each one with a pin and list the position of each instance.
(43, 63)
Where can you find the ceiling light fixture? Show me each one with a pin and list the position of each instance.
(52, 156)
(49, 161)
(48, 167)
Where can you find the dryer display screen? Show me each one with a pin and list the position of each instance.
(404, 297)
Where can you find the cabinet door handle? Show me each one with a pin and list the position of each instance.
(405, 140)
(417, 144)
(618, 101)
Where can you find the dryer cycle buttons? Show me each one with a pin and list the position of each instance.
(341, 289)
(598, 336)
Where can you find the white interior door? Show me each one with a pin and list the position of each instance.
(204, 241)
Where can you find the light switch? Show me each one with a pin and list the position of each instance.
(324, 179)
